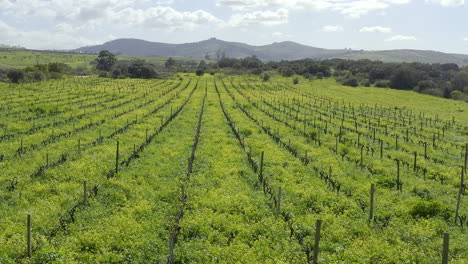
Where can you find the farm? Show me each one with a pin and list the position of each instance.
(230, 169)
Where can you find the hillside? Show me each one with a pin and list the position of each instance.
(277, 51)
(406, 55)
(286, 50)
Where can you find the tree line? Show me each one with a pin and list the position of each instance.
(444, 80)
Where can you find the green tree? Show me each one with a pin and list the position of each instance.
(404, 79)
(142, 70)
(202, 65)
(16, 76)
(170, 63)
(105, 60)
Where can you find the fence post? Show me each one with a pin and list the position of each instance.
(445, 250)
(371, 209)
(317, 241)
(460, 193)
(117, 158)
(28, 236)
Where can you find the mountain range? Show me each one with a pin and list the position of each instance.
(277, 51)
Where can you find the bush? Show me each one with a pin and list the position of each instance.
(350, 81)
(257, 71)
(38, 76)
(456, 94)
(16, 76)
(200, 72)
(142, 70)
(429, 209)
(382, 83)
(295, 80)
(266, 77)
(365, 83)
(319, 75)
(308, 75)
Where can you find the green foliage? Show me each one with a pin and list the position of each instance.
(105, 60)
(16, 76)
(428, 209)
(266, 77)
(295, 80)
(170, 63)
(222, 211)
(404, 79)
(200, 72)
(350, 81)
(142, 70)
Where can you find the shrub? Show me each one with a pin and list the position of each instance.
(429, 209)
(351, 81)
(382, 83)
(266, 77)
(295, 80)
(16, 76)
(200, 72)
(38, 76)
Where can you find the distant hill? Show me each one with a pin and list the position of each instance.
(286, 50)
(406, 55)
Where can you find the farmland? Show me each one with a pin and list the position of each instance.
(229, 169)
(17, 58)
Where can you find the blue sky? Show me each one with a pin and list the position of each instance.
(440, 25)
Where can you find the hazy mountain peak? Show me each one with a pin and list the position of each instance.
(284, 50)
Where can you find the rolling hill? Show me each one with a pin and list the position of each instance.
(286, 50)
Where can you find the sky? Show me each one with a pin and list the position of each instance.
(440, 25)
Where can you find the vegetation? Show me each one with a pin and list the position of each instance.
(228, 169)
(443, 80)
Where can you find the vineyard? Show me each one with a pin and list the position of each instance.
(222, 169)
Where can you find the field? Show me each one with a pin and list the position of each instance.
(13, 58)
(222, 169)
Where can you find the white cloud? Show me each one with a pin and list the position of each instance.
(60, 39)
(449, 3)
(331, 28)
(465, 39)
(162, 17)
(265, 18)
(374, 29)
(352, 8)
(400, 37)
(127, 13)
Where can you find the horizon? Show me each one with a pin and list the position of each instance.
(371, 25)
(283, 41)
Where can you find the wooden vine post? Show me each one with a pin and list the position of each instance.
(445, 249)
(460, 193)
(381, 148)
(261, 166)
(28, 235)
(399, 187)
(117, 158)
(317, 241)
(371, 208)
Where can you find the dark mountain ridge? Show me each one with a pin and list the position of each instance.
(286, 50)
